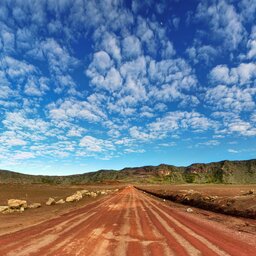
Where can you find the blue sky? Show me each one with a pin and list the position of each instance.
(87, 85)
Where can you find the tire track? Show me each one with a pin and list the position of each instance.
(211, 238)
(49, 232)
(126, 223)
(158, 244)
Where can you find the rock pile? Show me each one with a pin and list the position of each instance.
(17, 205)
(14, 205)
(75, 197)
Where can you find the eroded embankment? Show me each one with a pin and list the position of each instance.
(241, 206)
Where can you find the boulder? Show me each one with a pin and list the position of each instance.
(61, 201)
(50, 201)
(4, 208)
(34, 205)
(75, 197)
(17, 204)
(83, 192)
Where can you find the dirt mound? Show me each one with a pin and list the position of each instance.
(243, 205)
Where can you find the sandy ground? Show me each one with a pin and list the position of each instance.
(129, 222)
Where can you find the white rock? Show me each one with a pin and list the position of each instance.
(61, 201)
(4, 208)
(17, 204)
(75, 197)
(189, 210)
(93, 194)
(83, 192)
(50, 201)
(34, 205)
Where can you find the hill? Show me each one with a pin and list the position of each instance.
(231, 172)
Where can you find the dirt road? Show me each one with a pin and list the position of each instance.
(126, 223)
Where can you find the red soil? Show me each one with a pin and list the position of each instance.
(127, 223)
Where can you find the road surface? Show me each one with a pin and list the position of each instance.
(126, 223)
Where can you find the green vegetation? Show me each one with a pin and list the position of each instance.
(230, 172)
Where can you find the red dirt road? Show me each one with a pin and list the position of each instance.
(126, 223)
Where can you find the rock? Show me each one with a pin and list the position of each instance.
(34, 205)
(61, 201)
(4, 208)
(212, 198)
(11, 210)
(189, 210)
(75, 197)
(17, 204)
(103, 193)
(83, 192)
(50, 201)
(93, 194)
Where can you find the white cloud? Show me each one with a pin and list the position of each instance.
(110, 44)
(76, 132)
(113, 80)
(7, 39)
(73, 109)
(16, 142)
(210, 143)
(23, 155)
(248, 10)
(233, 151)
(36, 87)
(223, 21)
(17, 69)
(93, 144)
(199, 54)
(131, 47)
(101, 62)
(172, 122)
(242, 127)
(230, 98)
(244, 73)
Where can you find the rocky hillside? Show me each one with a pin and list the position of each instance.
(216, 172)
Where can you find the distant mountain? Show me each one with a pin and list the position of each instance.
(216, 172)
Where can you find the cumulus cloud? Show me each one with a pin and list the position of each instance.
(71, 108)
(23, 155)
(73, 73)
(96, 145)
(131, 47)
(242, 74)
(251, 44)
(224, 21)
(230, 98)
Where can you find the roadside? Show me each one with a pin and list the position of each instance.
(38, 193)
(190, 206)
